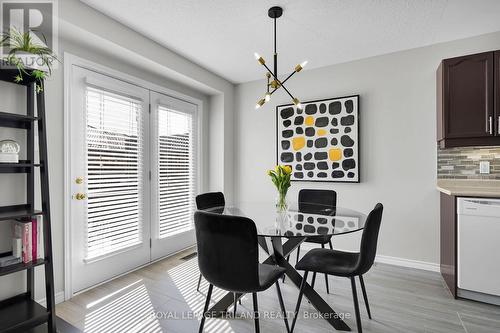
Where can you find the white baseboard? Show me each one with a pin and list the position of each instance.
(394, 261)
(417, 264)
(59, 297)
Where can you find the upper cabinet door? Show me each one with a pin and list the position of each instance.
(468, 96)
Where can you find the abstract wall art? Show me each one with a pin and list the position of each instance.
(321, 141)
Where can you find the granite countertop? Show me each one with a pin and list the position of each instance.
(470, 188)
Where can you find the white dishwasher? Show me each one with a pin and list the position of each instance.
(478, 249)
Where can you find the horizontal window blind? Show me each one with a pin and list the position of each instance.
(176, 170)
(114, 149)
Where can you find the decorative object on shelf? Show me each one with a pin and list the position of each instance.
(9, 151)
(9, 260)
(21, 44)
(320, 142)
(281, 179)
(273, 82)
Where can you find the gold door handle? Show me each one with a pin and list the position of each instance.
(80, 196)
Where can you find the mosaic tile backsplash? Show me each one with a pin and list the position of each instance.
(463, 163)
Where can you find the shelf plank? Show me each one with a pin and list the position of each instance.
(8, 75)
(14, 120)
(17, 211)
(20, 267)
(21, 167)
(19, 313)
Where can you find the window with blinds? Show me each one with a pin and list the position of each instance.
(114, 147)
(176, 171)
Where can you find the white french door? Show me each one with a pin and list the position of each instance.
(110, 226)
(175, 173)
(133, 173)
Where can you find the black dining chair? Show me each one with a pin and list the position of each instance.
(210, 200)
(228, 258)
(206, 201)
(345, 264)
(313, 202)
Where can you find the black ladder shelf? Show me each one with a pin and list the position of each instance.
(21, 313)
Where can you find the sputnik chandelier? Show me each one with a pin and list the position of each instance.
(273, 83)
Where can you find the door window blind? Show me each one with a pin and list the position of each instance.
(176, 170)
(114, 149)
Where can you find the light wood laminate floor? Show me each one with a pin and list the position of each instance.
(162, 297)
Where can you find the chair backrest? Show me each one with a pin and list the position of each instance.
(310, 201)
(369, 240)
(228, 254)
(210, 200)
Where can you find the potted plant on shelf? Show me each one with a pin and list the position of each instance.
(281, 179)
(23, 44)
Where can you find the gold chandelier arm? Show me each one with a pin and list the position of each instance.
(280, 83)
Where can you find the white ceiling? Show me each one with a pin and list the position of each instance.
(222, 35)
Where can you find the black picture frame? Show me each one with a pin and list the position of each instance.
(357, 139)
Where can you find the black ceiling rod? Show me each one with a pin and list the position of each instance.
(275, 53)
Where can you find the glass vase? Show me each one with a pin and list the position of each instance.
(281, 203)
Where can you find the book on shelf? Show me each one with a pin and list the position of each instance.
(28, 233)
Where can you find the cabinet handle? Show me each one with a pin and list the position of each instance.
(490, 123)
(498, 125)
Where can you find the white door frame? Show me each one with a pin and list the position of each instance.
(71, 60)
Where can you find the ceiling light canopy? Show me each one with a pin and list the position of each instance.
(273, 82)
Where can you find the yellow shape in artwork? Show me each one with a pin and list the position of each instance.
(309, 120)
(321, 132)
(335, 154)
(298, 143)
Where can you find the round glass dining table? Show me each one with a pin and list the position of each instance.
(286, 231)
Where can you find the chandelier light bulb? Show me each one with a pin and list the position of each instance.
(300, 66)
(260, 103)
(256, 55)
(299, 106)
(268, 97)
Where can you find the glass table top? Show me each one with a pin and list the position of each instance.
(300, 220)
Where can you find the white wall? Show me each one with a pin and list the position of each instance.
(91, 35)
(397, 141)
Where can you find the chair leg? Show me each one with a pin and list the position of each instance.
(301, 293)
(256, 313)
(199, 282)
(363, 289)
(326, 276)
(282, 305)
(326, 281)
(235, 306)
(205, 309)
(313, 280)
(356, 305)
(298, 253)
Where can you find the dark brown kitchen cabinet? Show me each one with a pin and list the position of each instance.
(468, 100)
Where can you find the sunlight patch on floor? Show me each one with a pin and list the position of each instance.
(185, 277)
(130, 312)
